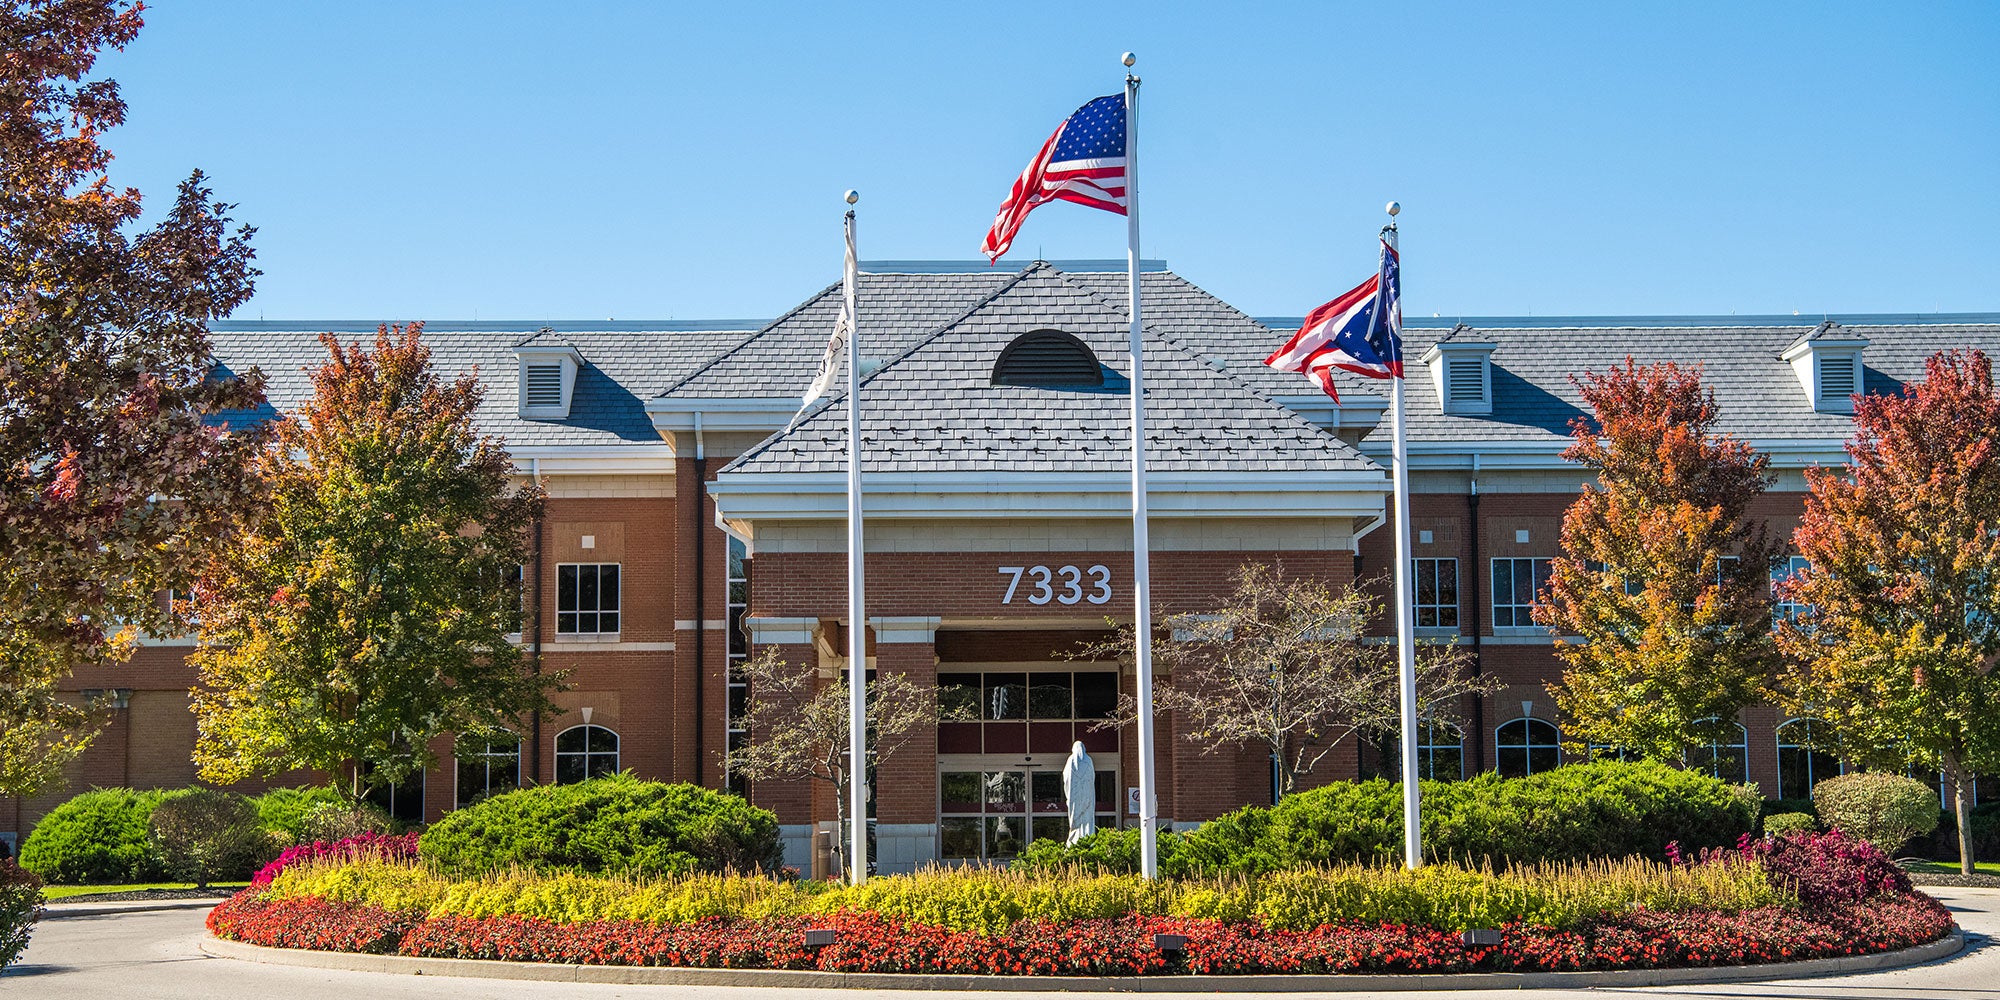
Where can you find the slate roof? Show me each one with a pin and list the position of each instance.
(620, 370)
(933, 409)
(1758, 393)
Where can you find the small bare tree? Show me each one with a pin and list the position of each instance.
(798, 725)
(1286, 662)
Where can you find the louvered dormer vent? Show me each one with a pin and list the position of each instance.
(1829, 366)
(542, 386)
(1048, 358)
(1466, 380)
(1462, 373)
(547, 378)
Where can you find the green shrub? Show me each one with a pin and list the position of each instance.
(98, 837)
(614, 824)
(340, 819)
(1884, 809)
(284, 809)
(1604, 809)
(1772, 807)
(20, 904)
(1780, 824)
(203, 835)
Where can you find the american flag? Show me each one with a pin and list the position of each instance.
(1083, 162)
(1361, 331)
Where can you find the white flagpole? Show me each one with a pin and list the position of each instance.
(857, 608)
(1406, 652)
(1142, 575)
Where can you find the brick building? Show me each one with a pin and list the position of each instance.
(691, 521)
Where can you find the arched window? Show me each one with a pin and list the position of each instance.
(487, 768)
(1727, 756)
(1801, 764)
(1526, 746)
(1440, 753)
(584, 752)
(1049, 358)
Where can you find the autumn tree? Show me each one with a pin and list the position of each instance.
(799, 726)
(365, 609)
(1664, 574)
(1287, 663)
(1899, 633)
(115, 471)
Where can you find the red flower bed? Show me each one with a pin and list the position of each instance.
(869, 942)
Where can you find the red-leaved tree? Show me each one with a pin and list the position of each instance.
(115, 469)
(1900, 633)
(1664, 572)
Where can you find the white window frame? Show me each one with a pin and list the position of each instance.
(1440, 607)
(1530, 746)
(1781, 609)
(1715, 748)
(618, 600)
(1520, 616)
(483, 759)
(1812, 775)
(616, 753)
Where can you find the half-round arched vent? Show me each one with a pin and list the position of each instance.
(1047, 358)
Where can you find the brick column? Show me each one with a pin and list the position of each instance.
(906, 788)
(791, 800)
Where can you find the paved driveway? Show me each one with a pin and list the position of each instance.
(155, 955)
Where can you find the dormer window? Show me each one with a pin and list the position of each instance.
(547, 381)
(1828, 364)
(1048, 358)
(1462, 372)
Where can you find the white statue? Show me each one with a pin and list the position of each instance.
(1080, 792)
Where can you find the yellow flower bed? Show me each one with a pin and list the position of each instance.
(989, 901)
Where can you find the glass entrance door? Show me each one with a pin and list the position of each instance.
(991, 812)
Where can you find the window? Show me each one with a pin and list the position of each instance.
(1517, 586)
(402, 800)
(1440, 753)
(584, 752)
(1801, 761)
(1606, 751)
(1437, 592)
(1526, 746)
(1784, 572)
(517, 599)
(586, 598)
(992, 815)
(738, 706)
(1043, 695)
(1726, 756)
(488, 767)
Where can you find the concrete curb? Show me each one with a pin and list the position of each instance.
(657, 976)
(56, 911)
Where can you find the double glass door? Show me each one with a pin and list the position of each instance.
(991, 812)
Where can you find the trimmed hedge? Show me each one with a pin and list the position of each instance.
(616, 824)
(1782, 824)
(99, 837)
(285, 809)
(1603, 809)
(1886, 810)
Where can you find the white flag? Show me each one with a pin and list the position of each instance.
(842, 329)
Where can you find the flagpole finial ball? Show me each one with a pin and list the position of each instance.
(1128, 59)
(852, 197)
(1394, 208)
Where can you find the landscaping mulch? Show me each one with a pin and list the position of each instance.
(143, 895)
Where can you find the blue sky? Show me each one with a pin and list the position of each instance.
(679, 161)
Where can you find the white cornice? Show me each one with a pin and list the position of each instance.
(594, 460)
(1785, 453)
(722, 414)
(820, 495)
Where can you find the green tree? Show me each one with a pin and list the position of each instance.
(364, 610)
(1664, 572)
(1286, 664)
(108, 396)
(1900, 632)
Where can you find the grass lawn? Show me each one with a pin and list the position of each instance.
(55, 892)
(1951, 867)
